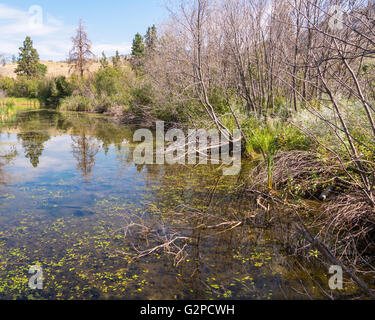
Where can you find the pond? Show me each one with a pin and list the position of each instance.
(69, 189)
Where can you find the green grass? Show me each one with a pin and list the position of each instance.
(19, 102)
(10, 106)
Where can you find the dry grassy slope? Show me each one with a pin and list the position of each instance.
(54, 69)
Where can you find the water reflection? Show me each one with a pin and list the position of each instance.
(32, 143)
(7, 154)
(84, 149)
(88, 135)
(69, 186)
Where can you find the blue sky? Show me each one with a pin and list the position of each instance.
(111, 24)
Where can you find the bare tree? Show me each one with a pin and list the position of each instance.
(81, 53)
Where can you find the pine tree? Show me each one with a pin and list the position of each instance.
(151, 38)
(104, 61)
(28, 61)
(138, 48)
(116, 60)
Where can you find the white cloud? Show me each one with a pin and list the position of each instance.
(25, 28)
(16, 24)
(52, 49)
(53, 21)
(31, 22)
(110, 49)
(51, 37)
(10, 13)
(8, 47)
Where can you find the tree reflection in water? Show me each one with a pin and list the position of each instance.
(7, 154)
(84, 149)
(89, 134)
(33, 145)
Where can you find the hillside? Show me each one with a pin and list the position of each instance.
(54, 69)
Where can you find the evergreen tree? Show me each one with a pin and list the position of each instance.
(116, 60)
(138, 48)
(42, 69)
(104, 61)
(28, 61)
(151, 38)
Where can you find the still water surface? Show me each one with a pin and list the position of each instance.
(68, 187)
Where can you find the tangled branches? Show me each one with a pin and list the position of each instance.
(345, 221)
(351, 218)
(150, 233)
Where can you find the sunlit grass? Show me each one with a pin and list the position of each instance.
(19, 102)
(10, 106)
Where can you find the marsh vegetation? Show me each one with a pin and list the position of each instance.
(73, 201)
(296, 78)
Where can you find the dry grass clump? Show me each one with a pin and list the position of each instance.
(347, 218)
(299, 167)
(349, 209)
(351, 216)
(301, 173)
